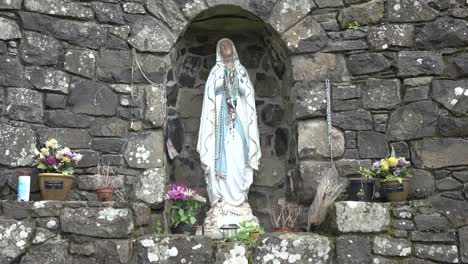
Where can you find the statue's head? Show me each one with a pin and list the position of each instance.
(226, 50)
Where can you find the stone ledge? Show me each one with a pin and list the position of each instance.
(361, 217)
(294, 248)
(172, 249)
(113, 232)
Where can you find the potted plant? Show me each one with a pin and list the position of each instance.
(248, 234)
(394, 172)
(57, 166)
(284, 216)
(361, 189)
(184, 209)
(105, 183)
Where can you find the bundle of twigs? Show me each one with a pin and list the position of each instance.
(104, 179)
(330, 187)
(285, 214)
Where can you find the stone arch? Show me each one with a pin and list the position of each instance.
(170, 19)
(266, 57)
(294, 33)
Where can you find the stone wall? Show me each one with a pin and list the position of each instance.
(423, 231)
(397, 67)
(397, 81)
(72, 232)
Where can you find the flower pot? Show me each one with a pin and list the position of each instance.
(395, 191)
(104, 194)
(360, 190)
(55, 186)
(254, 235)
(184, 229)
(283, 229)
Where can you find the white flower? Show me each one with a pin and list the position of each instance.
(35, 152)
(78, 157)
(45, 151)
(52, 143)
(59, 154)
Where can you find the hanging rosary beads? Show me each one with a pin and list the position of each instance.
(231, 89)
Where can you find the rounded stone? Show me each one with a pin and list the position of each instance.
(422, 184)
(313, 140)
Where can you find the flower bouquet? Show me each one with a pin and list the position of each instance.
(57, 166)
(395, 173)
(185, 205)
(53, 158)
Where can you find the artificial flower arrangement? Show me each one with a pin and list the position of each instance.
(391, 168)
(185, 205)
(394, 172)
(55, 159)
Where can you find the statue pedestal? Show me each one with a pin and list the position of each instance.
(222, 213)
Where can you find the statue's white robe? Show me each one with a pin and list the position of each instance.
(232, 189)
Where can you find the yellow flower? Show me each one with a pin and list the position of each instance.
(384, 165)
(45, 151)
(392, 162)
(66, 159)
(52, 143)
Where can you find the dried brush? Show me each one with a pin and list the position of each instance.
(104, 179)
(330, 187)
(285, 214)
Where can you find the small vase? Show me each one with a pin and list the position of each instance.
(283, 229)
(104, 194)
(55, 186)
(184, 229)
(395, 191)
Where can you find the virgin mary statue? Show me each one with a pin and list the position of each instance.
(228, 139)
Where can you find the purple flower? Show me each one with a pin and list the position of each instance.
(376, 164)
(51, 160)
(180, 192)
(403, 163)
(67, 152)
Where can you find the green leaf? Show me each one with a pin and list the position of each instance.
(65, 173)
(400, 180)
(42, 166)
(192, 220)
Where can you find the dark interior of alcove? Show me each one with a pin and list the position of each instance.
(264, 55)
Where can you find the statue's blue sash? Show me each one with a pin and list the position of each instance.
(221, 133)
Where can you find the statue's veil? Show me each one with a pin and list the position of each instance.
(219, 56)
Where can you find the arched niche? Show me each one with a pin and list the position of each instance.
(264, 54)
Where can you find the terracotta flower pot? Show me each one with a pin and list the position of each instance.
(395, 191)
(55, 186)
(283, 229)
(104, 194)
(254, 235)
